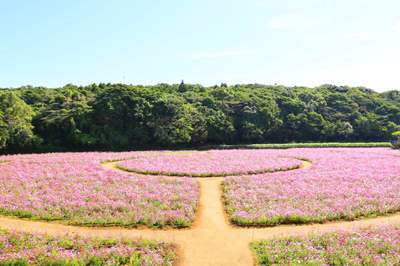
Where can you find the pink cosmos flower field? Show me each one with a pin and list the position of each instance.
(75, 187)
(367, 246)
(211, 163)
(38, 249)
(342, 183)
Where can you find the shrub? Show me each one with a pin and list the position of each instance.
(396, 140)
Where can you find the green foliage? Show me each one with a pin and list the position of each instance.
(396, 141)
(14, 262)
(15, 121)
(118, 116)
(308, 145)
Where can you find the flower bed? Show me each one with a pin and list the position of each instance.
(344, 183)
(211, 163)
(74, 187)
(36, 249)
(372, 246)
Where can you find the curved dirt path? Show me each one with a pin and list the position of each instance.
(212, 240)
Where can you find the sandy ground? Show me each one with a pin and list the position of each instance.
(211, 240)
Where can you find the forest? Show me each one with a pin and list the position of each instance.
(129, 117)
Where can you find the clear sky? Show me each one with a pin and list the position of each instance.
(289, 42)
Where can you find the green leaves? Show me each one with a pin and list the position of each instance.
(120, 117)
(15, 121)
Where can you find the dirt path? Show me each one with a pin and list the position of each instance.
(211, 240)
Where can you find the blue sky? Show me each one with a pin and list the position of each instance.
(289, 42)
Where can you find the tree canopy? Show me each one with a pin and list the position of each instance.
(119, 116)
(15, 122)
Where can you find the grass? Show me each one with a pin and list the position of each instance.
(301, 220)
(23, 214)
(308, 145)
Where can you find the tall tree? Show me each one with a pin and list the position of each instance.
(15, 121)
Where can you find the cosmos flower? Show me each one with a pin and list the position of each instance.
(367, 246)
(76, 188)
(342, 183)
(39, 249)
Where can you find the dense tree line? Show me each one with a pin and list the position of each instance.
(118, 116)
